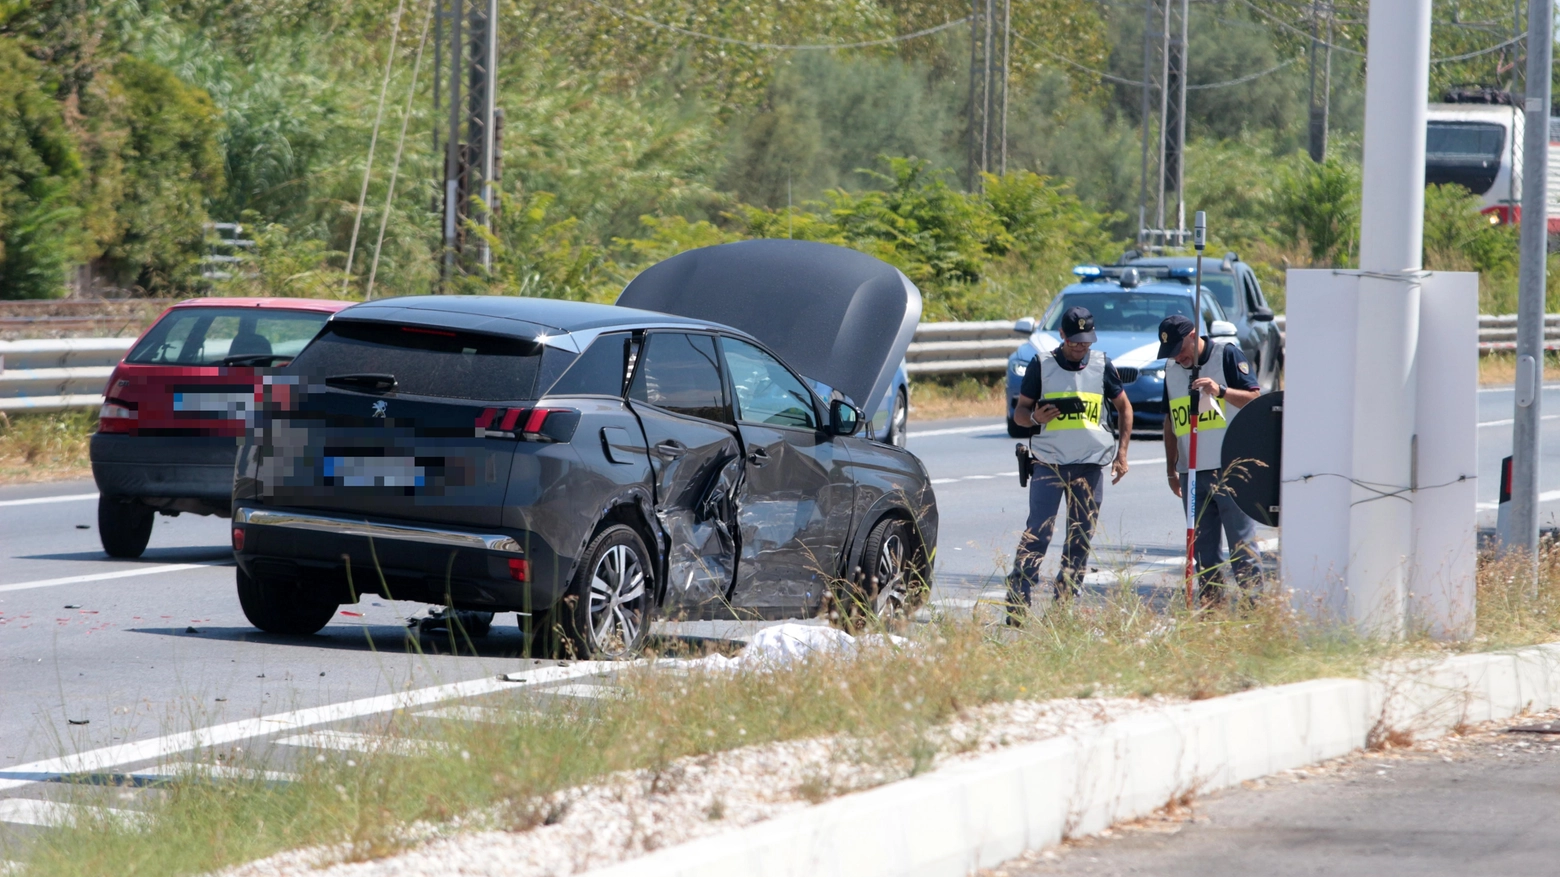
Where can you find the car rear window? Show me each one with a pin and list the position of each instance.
(209, 335)
(428, 361)
(1125, 311)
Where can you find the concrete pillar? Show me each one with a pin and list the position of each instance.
(1391, 228)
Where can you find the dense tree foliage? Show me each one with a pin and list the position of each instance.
(633, 131)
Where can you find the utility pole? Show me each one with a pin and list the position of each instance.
(1148, 36)
(1534, 240)
(988, 74)
(1172, 126)
(1007, 37)
(1322, 47)
(471, 145)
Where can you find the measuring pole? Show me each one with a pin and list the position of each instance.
(1193, 400)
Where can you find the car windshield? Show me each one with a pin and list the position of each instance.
(1222, 286)
(202, 336)
(1124, 311)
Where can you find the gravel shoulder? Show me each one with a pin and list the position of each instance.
(1482, 802)
(632, 814)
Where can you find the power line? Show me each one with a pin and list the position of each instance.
(1138, 83)
(1447, 60)
(1495, 48)
(863, 44)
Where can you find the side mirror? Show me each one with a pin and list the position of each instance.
(1221, 329)
(844, 418)
(1025, 326)
(1262, 314)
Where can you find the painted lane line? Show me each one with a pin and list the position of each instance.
(351, 741)
(1546, 496)
(956, 430)
(43, 500)
(1508, 389)
(582, 690)
(106, 576)
(161, 748)
(31, 811)
(486, 714)
(191, 770)
(1013, 473)
(1509, 421)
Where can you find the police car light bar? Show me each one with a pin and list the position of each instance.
(1088, 271)
(1188, 272)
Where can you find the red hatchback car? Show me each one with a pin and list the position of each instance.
(177, 405)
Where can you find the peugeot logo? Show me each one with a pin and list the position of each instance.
(379, 408)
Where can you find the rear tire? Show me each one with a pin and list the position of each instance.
(899, 420)
(124, 526)
(275, 610)
(606, 611)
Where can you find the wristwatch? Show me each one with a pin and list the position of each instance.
(1222, 388)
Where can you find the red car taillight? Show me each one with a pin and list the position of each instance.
(528, 424)
(116, 417)
(519, 569)
(238, 538)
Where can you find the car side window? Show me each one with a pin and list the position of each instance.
(599, 370)
(680, 373)
(766, 391)
(1211, 310)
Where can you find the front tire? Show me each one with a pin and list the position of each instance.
(890, 584)
(124, 526)
(277, 610)
(606, 612)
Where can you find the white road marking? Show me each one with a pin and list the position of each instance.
(488, 714)
(187, 770)
(105, 576)
(578, 689)
(1509, 421)
(158, 748)
(31, 811)
(1511, 388)
(1546, 496)
(955, 430)
(1014, 472)
(351, 741)
(44, 500)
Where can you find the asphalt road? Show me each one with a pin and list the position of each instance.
(97, 651)
(1486, 808)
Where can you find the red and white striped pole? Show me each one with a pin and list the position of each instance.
(1193, 400)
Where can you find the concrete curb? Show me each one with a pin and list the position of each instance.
(980, 813)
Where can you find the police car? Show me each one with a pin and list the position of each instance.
(1127, 302)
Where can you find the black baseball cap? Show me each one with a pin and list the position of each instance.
(1172, 331)
(1078, 324)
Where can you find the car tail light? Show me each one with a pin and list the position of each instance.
(238, 538)
(528, 424)
(519, 569)
(116, 416)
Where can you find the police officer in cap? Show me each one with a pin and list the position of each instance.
(1223, 386)
(1063, 395)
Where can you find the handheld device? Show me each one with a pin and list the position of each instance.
(1065, 404)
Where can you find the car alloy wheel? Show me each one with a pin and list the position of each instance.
(891, 575)
(617, 598)
(889, 585)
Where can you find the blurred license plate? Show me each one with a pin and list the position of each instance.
(375, 471)
(223, 404)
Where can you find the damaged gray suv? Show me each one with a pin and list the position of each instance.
(592, 467)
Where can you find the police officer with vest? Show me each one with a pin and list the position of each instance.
(1070, 452)
(1224, 384)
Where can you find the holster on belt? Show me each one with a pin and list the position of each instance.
(1026, 463)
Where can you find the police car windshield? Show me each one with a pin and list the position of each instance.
(1124, 311)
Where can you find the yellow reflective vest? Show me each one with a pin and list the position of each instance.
(1074, 438)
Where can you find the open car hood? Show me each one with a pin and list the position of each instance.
(839, 316)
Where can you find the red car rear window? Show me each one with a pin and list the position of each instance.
(208, 336)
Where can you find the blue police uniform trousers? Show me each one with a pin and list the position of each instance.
(1218, 514)
(1078, 485)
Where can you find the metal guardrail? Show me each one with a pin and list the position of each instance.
(59, 374)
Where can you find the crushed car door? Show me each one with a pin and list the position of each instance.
(794, 504)
(679, 395)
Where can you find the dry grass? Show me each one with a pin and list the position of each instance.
(45, 447)
(957, 396)
(1501, 368)
(887, 705)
